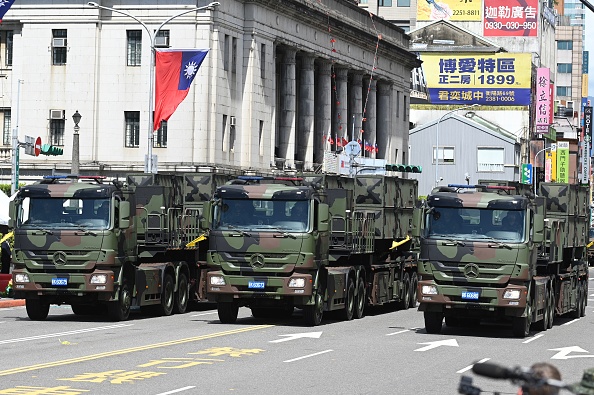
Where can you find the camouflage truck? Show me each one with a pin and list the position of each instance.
(318, 243)
(480, 265)
(101, 246)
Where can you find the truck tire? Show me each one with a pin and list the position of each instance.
(576, 312)
(227, 312)
(403, 303)
(167, 296)
(37, 310)
(313, 314)
(543, 324)
(433, 321)
(349, 301)
(521, 325)
(361, 299)
(119, 310)
(552, 306)
(414, 282)
(182, 295)
(584, 298)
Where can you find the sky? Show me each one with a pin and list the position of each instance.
(590, 48)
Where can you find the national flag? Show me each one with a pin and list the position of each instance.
(330, 139)
(175, 70)
(375, 148)
(4, 7)
(344, 142)
(338, 142)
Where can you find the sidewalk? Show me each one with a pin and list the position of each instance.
(9, 302)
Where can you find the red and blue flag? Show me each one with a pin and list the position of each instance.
(4, 7)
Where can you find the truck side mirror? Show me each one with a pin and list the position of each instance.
(11, 214)
(124, 216)
(417, 220)
(205, 222)
(538, 228)
(323, 217)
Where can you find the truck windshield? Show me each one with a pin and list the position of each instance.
(471, 223)
(262, 215)
(47, 213)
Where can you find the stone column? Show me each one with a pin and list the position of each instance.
(305, 134)
(384, 92)
(322, 109)
(341, 99)
(356, 102)
(370, 116)
(287, 100)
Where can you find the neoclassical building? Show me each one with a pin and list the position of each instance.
(282, 78)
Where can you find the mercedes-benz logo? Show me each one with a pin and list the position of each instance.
(471, 270)
(257, 261)
(59, 258)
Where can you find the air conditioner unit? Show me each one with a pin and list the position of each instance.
(162, 42)
(57, 114)
(58, 42)
(232, 121)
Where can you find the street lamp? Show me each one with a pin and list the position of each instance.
(150, 162)
(534, 167)
(75, 152)
(437, 138)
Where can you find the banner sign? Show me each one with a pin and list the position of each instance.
(501, 79)
(450, 10)
(588, 125)
(563, 161)
(543, 99)
(504, 18)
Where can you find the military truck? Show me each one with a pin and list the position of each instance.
(106, 247)
(318, 243)
(481, 266)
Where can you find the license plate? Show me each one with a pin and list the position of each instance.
(470, 295)
(60, 282)
(256, 285)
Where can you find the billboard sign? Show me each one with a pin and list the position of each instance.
(501, 79)
(563, 161)
(450, 10)
(543, 99)
(505, 18)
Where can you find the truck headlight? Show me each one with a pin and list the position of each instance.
(98, 279)
(21, 278)
(511, 294)
(429, 290)
(297, 283)
(217, 280)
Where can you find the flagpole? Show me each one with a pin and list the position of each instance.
(150, 163)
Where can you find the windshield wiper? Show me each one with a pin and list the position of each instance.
(85, 230)
(241, 232)
(45, 231)
(498, 243)
(457, 242)
(285, 233)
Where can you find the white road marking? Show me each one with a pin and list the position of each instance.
(177, 390)
(470, 366)
(294, 336)
(308, 356)
(533, 338)
(397, 333)
(571, 322)
(201, 314)
(49, 335)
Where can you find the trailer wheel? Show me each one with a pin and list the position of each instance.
(349, 301)
(433, 321)
(182, 295)
(37, 310)
(119, 310)
(227, 312)
(543, 324)
(167, 296)
(551, 306)
(313, 314)
(414, 282)
(403, 303)
(584, 299)
(521, 325)
(361, 299)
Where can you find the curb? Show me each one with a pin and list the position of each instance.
(11, 303)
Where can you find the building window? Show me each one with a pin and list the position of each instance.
(563, 91)
(226, 57)
(234, 55)
(57, 131)
(263, 60)
(261, 138)
(564, 68)
(403, 3)
(224, 136)
(134, 47)
(385, 3)
(565, 44)
(132, 128)
(490, 159)
(162, 39)
(446, 155)
(160, 138)
(59, 48)
(8, 48)
(6, 132)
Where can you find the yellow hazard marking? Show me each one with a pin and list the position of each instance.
(179, 363)
(66, 343)
(196, 240)
(29, 390)
(114, 376)
(6, 237)
(399, 243)
(113, 353)
(590, 244)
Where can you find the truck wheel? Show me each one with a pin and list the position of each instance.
(584, 299)
(521, 325)
(405, 297)
(167, 296)
(433, 321)
(182, 295)
(349, 301)
(361, 299)
(227, 312)
(551, 307)
(414, 282)
(119, 310)
(313, 314)
(36, 309)
(543, 324)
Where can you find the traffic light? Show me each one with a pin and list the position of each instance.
(48, 149)
(404, 168)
